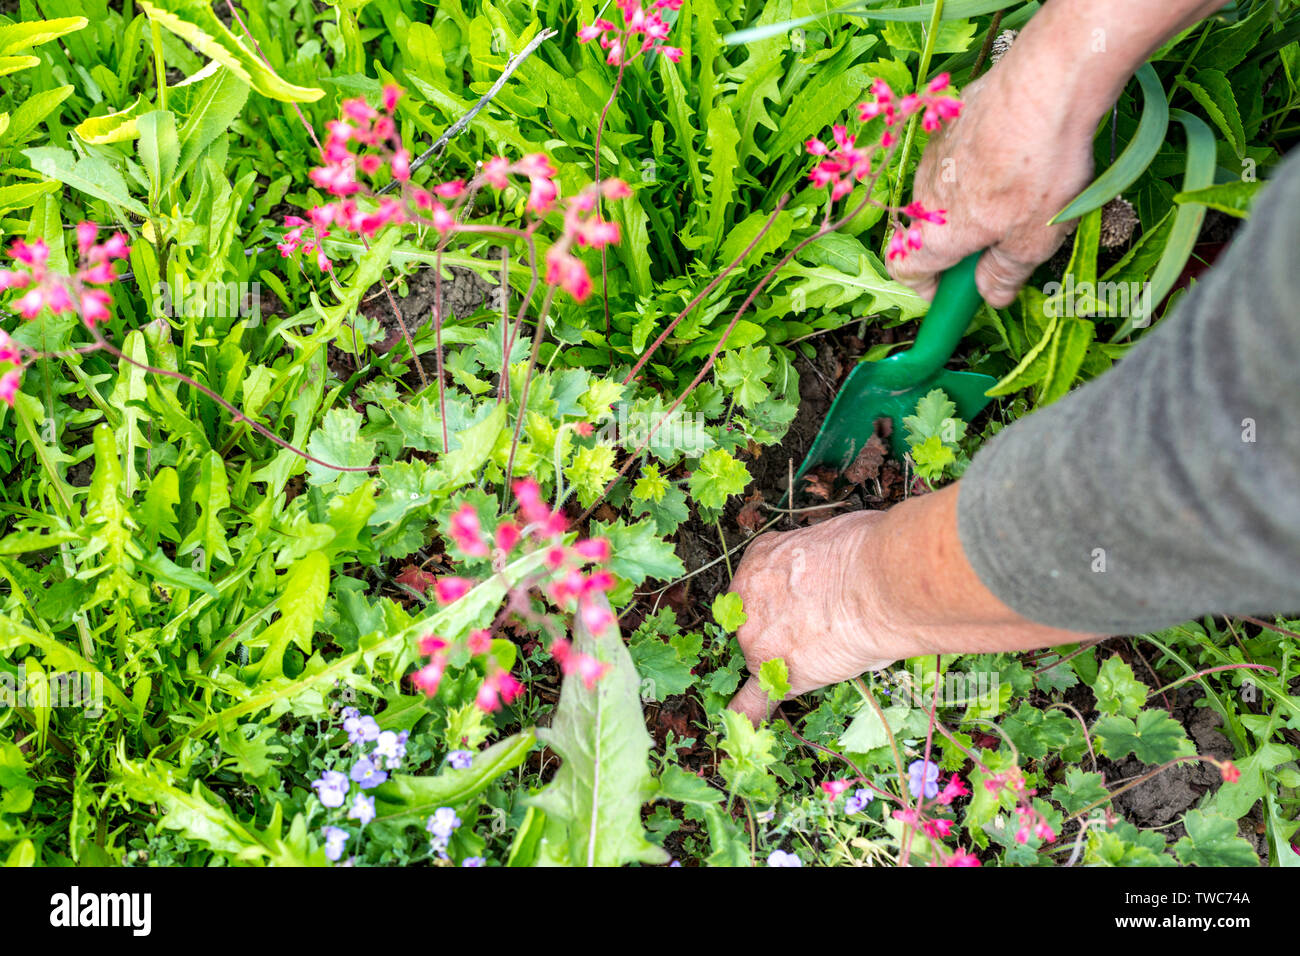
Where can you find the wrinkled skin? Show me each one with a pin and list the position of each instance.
(808, 601)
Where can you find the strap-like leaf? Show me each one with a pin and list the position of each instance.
(1187, 221)
(1137, 154)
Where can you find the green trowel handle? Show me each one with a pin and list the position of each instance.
(955, 304)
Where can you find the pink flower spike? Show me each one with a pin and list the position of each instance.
(615, 189)
(466, 531)
(595, 617)
(431, 644)
(598, 581)
(33, 255)
(401, 165)
(962, 858)
(587, 34)
(587, 668)
(674, 54)
(816, 147)
(358, 110)
(450, 589)
(13, 280)
(593, 549)
(9, 382)
(881, 90)
(555, 557)
(428, 677)
(116, 246)
(30, 305)
(939, 83)
(494, 171)
(392, 93)
(8, 349)
(443, 221)
(480, 641)
(450, 189)
(86, 233)
(833, 788)
(507, 535)
(94, 306)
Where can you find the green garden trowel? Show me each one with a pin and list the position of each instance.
(891, 387)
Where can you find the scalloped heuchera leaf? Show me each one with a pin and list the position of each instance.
(593, 806)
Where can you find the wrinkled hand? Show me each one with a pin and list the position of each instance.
(1012, 160)
(808, 598)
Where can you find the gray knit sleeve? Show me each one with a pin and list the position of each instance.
(1169, 487)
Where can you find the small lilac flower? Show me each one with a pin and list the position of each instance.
(332, 788)
(858, 802)
(366, 773)
(781, 858)
(473, 861)
(361, 729)
(363, 809)
(334, 840)
(460, 759)
(392, 747)
(351, 713)
(443, 822)
(923, 775)
(441, 826)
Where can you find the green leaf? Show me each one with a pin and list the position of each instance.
(301, 603)
(774, 678)
(16, 37)
(159, 150)
(407, 799)
(595, 797)
(1154, 738)
(212, 496)
(168, 572)
(638, 551)
(728, 612)
(1187, 221)
(1117, 690)
(1233, 198)
(198, 25)
(685, 787)
(742, 372)
(1079, 790)
(717, 477)
(1212, 90)
(749, 755)
(92, 175)
(338, 441)
(1213, 841)
(722, 140)
(1137, 155)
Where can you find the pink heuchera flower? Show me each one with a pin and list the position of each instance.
(595, 617)
(480, 641)
(637, 22)
(960, 857)
(449, 589)
(497, 688)
(588, 668)
(1229, 772)
(507, 535)
(937, 829)
(467, 533)
(9, 351)
(593, 549)
(846, 163)
(9, 383)
(833, 788)
(954, 789)
(428, 677)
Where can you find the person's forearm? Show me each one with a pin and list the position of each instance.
(1085, 51)
(931, 589)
